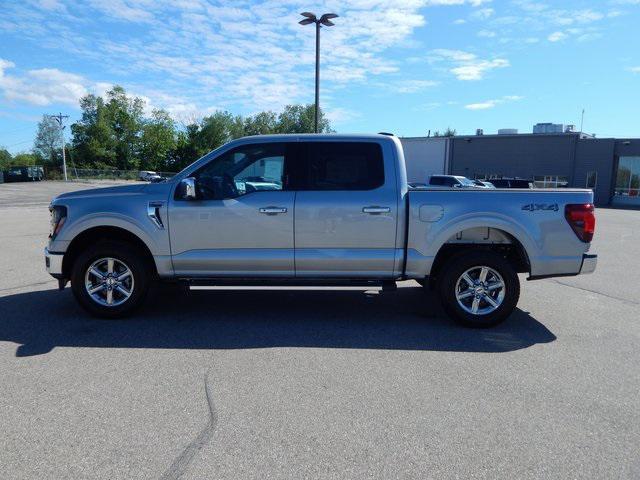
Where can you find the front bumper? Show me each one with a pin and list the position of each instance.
(53, 262)
(589, 262)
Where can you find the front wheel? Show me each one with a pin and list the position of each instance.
(110, 279)
(479, 289)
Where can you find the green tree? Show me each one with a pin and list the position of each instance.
(449, 132)
(93, 137)
(108, 135)
(48, 142)
(301, 119)
(157, 142)
(216, 130)
(25, 159)
(125, 116)
(113, 132)
(5, 159)
(262, 123)
(185, 152)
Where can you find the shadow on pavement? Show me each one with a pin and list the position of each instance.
(222, 319)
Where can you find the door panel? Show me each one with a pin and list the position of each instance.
(334, 237)
(242, 221)
(233, 237)
(349, 232)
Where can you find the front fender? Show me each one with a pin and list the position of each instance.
(157, 246)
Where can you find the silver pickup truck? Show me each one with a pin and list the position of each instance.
(315, 210)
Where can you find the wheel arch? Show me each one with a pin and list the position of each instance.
(96, 234)
(488, 238)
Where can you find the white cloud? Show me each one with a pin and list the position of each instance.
(482, 14)
(467, 66)
(338, 115)
(493, 103)
(413, 86)
(588, 16)
(557, 36)
(552, 21)
(41, 87)
(473, 3)
(481, 106)
(50, 86)
(249, 55)
(133, 11)
(634, 69)
(586, 37)
(486, 34)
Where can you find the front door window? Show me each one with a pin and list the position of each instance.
(244, 170)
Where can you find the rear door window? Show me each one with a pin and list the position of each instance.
(339, 166)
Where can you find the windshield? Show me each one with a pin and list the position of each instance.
(466, 182)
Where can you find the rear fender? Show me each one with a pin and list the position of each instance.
(423, 250)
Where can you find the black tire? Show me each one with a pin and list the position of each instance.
(452, 271)
(128, 255)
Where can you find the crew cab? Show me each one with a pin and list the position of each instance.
(316, 210)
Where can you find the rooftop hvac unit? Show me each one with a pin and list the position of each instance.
(570, 129)
(479, 132)
(508, 131)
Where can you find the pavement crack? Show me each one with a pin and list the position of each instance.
(624, 300)
(182, 462)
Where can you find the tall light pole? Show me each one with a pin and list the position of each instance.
(326, 21)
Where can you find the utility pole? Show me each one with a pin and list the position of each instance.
(60, 118)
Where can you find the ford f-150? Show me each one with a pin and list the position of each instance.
(316, 210)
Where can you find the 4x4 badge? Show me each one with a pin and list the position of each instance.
(532, 207)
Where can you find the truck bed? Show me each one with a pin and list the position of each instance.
(533, 219)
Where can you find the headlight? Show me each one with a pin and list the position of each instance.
(58, 216)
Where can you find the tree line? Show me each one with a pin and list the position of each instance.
(114, 132)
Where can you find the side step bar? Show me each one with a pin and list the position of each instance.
(386, 285)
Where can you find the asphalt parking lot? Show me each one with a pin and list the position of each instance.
(323, 383)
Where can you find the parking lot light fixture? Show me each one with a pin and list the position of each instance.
(325, 20)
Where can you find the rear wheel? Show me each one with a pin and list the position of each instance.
(110, 280)
(479, 289)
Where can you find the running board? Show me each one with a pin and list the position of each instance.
(386, 285)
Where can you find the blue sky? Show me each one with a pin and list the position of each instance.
(400, 66)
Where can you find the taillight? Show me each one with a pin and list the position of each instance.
(582, 219)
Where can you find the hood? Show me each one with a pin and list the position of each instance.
(106, 191)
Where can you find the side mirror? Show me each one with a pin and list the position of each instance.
(187, 189)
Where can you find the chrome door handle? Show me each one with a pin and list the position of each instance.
(376, 210)
(272, 210)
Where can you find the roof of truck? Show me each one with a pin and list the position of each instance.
(319, 136)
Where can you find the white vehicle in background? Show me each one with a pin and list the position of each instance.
(440, 182)
(483, 184)
(146, 175)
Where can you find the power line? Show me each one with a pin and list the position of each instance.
(17, 143)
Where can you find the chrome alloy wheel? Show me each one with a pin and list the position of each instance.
(109, 282)
(480, 290)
